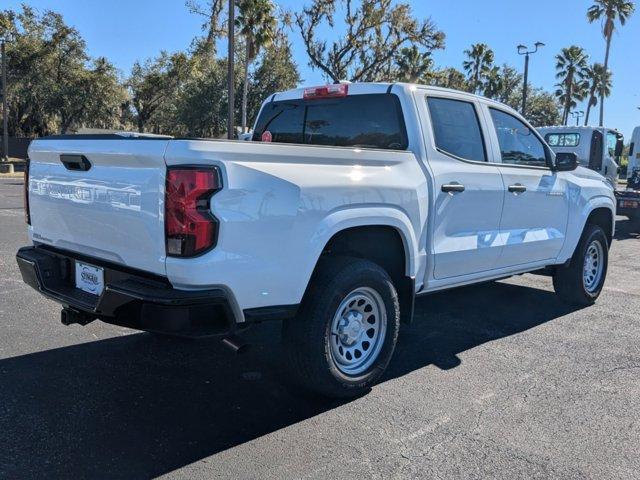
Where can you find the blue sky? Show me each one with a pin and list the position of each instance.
(125, 31)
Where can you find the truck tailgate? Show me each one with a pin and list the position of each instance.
(114, 210)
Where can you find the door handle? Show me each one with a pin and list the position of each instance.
(452, 188)
(517, 188)
(75, 162)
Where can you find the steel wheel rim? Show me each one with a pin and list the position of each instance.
(593, 266)
(358, 331)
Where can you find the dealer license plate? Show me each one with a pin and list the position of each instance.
(89, 278)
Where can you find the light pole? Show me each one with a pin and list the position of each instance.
(524, 50)
(578, 115)
(5, 110)
(230, 62)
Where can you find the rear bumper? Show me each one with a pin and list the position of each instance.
(130, 299)
(628, 203)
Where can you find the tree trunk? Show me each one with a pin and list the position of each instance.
(140, 125)
(567, 102)
(606, 69)
(65, 123)
(586, 117)
(245, 90)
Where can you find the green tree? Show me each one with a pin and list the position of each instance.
(608, 12)
(257, 25)
(478, 65)
(492, 85)
(510, 80)
(599, 83)
(91, 98)
(212, 11)
(275, 72)
(449, 78)
(412, 65)
(542, 107)
(28, 86)
(155, 83)
(376, 30)
(571, 67)
(199, 107)
(54, 85)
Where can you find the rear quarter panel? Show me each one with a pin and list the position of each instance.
(280, 205)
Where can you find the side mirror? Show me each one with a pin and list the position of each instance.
(619, 147)
(566, 162)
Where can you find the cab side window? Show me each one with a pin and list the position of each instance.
(518, 144)
(456, 128)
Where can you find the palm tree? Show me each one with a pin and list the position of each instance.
(413, 65)
(492, 86)
(571, 66)
(449, 78)
(257, 24)
(480, 60)
(608, 11)
(599, 81)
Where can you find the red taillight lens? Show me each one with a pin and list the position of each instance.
(27, 213)
(327, 91)
(189, 226)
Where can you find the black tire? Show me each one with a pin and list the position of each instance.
(307, 337)
(568, 281)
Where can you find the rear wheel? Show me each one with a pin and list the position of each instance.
(581, 282)
(344, 335)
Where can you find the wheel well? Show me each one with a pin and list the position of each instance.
(603, 217)
(384, 246)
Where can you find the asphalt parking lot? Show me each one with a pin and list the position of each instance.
(499, 380)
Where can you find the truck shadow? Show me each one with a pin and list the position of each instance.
(142, 406)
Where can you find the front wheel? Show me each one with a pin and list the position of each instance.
(581, 282)
(344, 335)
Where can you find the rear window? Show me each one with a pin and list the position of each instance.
(367, 121)
(563, 139)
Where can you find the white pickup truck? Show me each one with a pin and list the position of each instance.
(350, 200)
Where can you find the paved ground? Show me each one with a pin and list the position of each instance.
(499, 380)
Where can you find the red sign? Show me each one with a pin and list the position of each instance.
(266, 136)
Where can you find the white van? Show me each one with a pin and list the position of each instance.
(597, 148)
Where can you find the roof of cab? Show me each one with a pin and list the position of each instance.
(363, 88)
(573, 128)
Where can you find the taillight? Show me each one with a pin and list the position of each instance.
(27, 213)
(327, 91)
(190, 228)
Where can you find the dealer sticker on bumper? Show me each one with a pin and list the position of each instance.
(89, 278)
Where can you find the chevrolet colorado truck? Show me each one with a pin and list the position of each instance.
(350, 200)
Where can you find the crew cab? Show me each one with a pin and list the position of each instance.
(351, 200)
